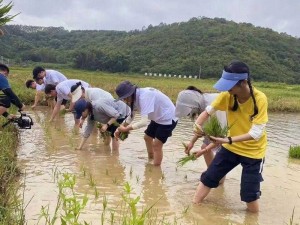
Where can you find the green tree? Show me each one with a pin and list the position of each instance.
(4, 18)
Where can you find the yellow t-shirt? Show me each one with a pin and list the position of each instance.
(241, 122)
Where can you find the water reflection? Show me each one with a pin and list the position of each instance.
(46, 148)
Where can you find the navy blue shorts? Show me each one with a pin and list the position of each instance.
(5, 101)
(224, 162)
(112, 128)
(159, 131)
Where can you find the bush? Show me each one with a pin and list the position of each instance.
(294, 152)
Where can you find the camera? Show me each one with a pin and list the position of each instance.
(24, 121)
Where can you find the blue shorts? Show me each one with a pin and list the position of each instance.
(5, 101)
(224, 162)
(159, 131)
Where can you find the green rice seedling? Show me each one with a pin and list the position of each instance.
(294, 152)
(103, 135)
(123, 135)
(115, 180)
(163, 176)
(92, 182)
(214, 128)
(137, 179)
(184, 145)
(68, 205)
(131, 171)
(62, 112)
(96, 193)
(83, 169)
(182, 161)
(106, 172)
(185, 210)
(131, 202)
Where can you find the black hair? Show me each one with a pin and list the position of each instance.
(89, 107)
(241, 67)
(4, 67)
(36, 71)
(49, 88)
(28, 83)
(132, 102)
(75, 86)
(193, 88)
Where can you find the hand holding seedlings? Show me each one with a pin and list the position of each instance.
(213, 129)
(198, 130)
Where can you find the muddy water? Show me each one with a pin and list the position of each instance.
(45, 149)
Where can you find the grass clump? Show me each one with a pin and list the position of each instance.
(294, 152)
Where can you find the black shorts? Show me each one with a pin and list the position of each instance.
(159, 131)
(5, 101)
(224, 162)
(64, 101)
(112, 128)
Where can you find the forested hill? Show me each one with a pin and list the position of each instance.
(178, 48)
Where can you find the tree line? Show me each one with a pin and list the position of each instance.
(177, 48)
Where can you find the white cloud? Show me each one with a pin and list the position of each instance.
(278, 15)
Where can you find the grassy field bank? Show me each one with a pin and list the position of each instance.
(11, 206)
(282, 97)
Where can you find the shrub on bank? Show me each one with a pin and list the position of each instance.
(294, 152)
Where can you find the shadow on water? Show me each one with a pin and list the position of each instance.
(47, 148)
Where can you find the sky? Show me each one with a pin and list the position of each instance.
(125, 15)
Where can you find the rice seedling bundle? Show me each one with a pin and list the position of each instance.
(214, 128)
(105, 134)
(182, 161)
(123, 135)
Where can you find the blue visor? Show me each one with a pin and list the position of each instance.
(228, 80)
(79, 107)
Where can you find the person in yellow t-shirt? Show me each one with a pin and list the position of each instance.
(246, 109)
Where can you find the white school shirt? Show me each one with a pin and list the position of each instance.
(93, 94)
(63, 89)
(156, 105)
(54, 77)
(40, 87)
(104, 110)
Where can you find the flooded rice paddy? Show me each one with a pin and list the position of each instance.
(48, 148)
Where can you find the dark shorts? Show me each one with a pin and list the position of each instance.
(5, 101)
(64, 101)
(112, 128)
(224, 162)
(159, 131)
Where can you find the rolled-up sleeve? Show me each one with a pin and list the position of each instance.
(257, 131)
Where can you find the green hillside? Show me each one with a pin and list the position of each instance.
(178, 48)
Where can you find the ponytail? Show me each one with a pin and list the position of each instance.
(193, 88)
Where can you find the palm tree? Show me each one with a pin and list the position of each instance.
(4, 18)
